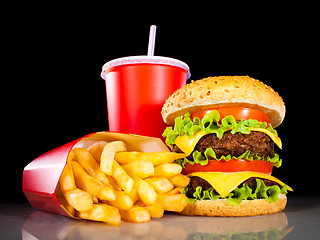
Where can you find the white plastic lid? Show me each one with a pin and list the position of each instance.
(145, 59)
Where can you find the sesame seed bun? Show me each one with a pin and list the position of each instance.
(222, 208)
(214, 92)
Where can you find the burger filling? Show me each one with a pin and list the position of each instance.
(250, 189)
(212, 138)
(253, 146)
(224, 139)
(235, 144)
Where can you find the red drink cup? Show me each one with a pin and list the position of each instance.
(137, 88)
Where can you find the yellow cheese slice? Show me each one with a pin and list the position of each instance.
(188, 143)
(274, 138)
(224, 183)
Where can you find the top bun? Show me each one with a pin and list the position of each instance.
(214, 92)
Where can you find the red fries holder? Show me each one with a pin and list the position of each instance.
(41, 176)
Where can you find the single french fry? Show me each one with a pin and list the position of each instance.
(60, 196)
(156, 158)
(113, 183)
(107, 155)
(84, 181)
(96, 150)
(68, 208)
(90, 184)
(66, 180)
(160, 184)
(167, 170)
(70, 156)
(95, 200)
(156, 210)
(79, 200)
(145, 191)
(180, 180)
(139, 203)
(89, 164)
(142, 169)
(123, 201)
(134, 195)
(122, 178)
(175, 203)
(103, 213)
(135, 214)
(107, 193)
(176, 190)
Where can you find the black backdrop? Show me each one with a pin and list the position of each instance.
(54, 60)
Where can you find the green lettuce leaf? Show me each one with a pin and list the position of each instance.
(270, 193)
(209, 153)
(210, 124)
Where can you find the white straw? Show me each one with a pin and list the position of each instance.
(152, 39)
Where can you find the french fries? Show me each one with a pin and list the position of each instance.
(103, 213)
(135, 214)
(167, 170)
(90, 184)
(156, 158)
(160, 184)
(89, 164)
(122, 178)
(123, 201)
(172, 202)
(96, 150)
(107, 155)
(145, 191)
(106, 183)
(79, 200)
(180, 180)
(142, 168)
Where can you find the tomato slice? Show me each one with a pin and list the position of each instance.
(233, 165)
(237, 112)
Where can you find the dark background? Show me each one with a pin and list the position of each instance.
(53, 92)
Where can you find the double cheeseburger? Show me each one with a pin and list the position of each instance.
(225, 126)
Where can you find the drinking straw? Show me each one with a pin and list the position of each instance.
(152, 39)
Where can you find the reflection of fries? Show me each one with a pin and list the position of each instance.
(106, 183)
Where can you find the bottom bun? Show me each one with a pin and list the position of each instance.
(222, 208)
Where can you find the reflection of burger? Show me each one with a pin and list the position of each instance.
(226, 127)
(273, 227)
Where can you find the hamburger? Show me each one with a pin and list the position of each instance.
(226, 127)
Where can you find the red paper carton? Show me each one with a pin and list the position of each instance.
(41, 176)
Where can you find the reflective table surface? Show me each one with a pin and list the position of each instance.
(300, 220)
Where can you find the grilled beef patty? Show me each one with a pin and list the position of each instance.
(235, 144)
